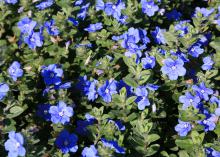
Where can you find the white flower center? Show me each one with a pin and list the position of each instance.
(114, 7)
(149, 6)
(185, 125)
(150, 61)
(61, 113)
(173, 67)
(191, 100)
(17, 145)
(107, 90)
(202, 91)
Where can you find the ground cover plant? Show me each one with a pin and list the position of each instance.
(99, 78)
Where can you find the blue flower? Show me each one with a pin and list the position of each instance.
(90, 152)
(83, 11)
(26, 25)
(182, 28)
(35, 39)
(61, 113)
(148, 62)
(91, 91)
(173, 68)
(15, 70)
(82, 124)
(67, 142)
(189, 100)
(4, 88)
(79, 2)
(73, 21)
(204, 11)
(183, 128)
(100, 5)
(128, 88)
(114, 10)
(11, 1)
(142, 97)
(208, 63)
(52, 74)
(45, 4)
(212, 153)
(14, 145)
(51, 29)
(209, 123)
(118, 124)
(113, 145)
(43, 111)
(149, 7)
(94, 27)
(173, 15)
(106, 90)
(152, 87)
(159, 36)
(196, 50)
(202, 91)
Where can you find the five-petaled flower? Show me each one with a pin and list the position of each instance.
(61, 113)
(15, 70)
(142, 97)
(67, 142)
(90, 152)
(52, 74)
(183, 128)
(202, 91)
(14, 145)
(173, 68)
(189, 100)
(106, 90)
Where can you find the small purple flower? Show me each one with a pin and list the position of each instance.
(43, 111)
(91, 91)
(142, 97)
(106, 90)
(173, 68)
(94, 27)
(113, 145)
(148, 62)
(15, 70)
(11, 1)
(196, 50)
(100, 5)
(26, 25)
(61, 113)
(52, 74)
(45, 4)
(208, 63)
(183, 128)
(174, 15)
(51, 29)
(14, 145)
(35, 39)
(67, 142)
(149, 7)
(4, 88)
(202, 91)
(158, 35)
(90, 152)
(189, 100)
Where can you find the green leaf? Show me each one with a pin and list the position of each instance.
(184, 144)
(152, 137)
(15, 111)
(130, 100)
